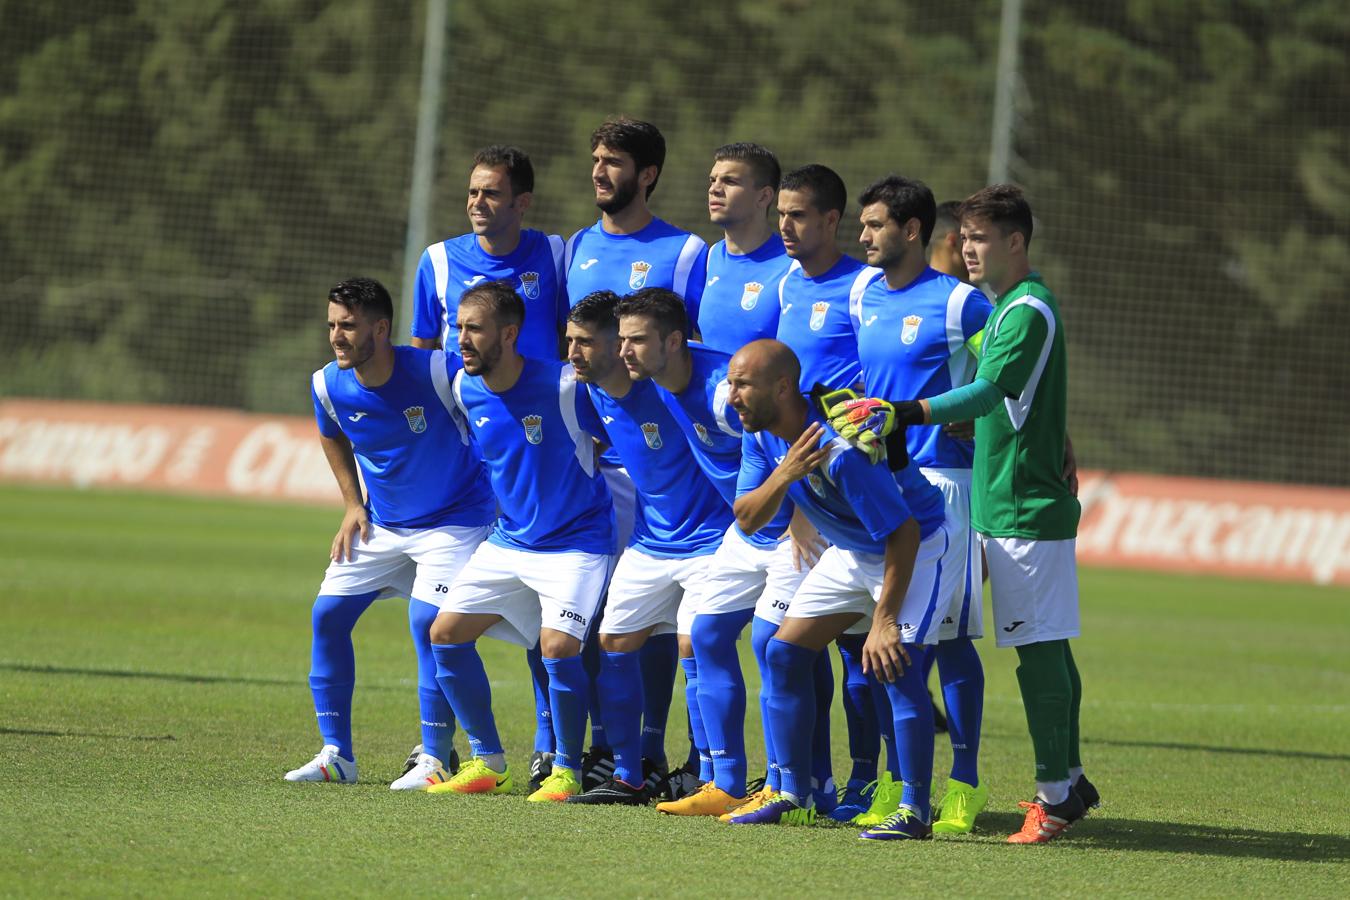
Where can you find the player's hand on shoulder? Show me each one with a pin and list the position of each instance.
(804, 455)
(355, 521)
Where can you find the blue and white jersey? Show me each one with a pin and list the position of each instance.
(419, 467)
(660, 255)
(536, 441)
(739, 299)
(913, 343)
(853, 503)
(535, 268)
(814, 321)
(713, 430)
(679, 512)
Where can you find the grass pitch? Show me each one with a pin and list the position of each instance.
(153, 660)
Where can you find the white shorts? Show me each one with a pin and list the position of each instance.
(405, 562)
(646, 591)
(745, 576)
(848, 582)
(1034, 585)
(624, 494)
(528, 590)
(964, 615)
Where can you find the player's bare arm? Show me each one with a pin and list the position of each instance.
(426, 343)
(807, 544)
(755, 509)
(338, 451)
(883, 653)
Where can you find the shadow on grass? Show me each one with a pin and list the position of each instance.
(181, 677)
(47, 732)
(1100, 830)
(1209, 748)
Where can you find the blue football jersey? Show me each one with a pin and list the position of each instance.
(535, 268)
(679, 512)
(814, 321)
(419, 467)
(660, 255)
(536, 441)
(912, 343)
(739, 302)
(713, 429)
(853, 503)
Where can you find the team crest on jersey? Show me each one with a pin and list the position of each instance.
(816, 482)
(818, 311)
(651, 433)
(416, 420)
(529, 285)
(638, 276)
(534, 428)
(910, 332)
(750, 299)
(702, 433)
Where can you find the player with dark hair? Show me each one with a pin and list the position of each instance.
(744, 268)
(497, 248)
(538, 577)
(1022, 505)
(918, 334)
(944, 246)
(386, 412)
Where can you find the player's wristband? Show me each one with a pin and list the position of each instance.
(908, 412)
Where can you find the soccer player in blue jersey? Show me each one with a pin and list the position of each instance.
(744, 268)
(386, 412)
(501, 188)
(680, 522)
(883, 566)
(751, 575)
(539, 575)
(944, 246)
(918, 331)
(629, 248)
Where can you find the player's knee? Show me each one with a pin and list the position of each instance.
(332, 614)
(443, 630)
(623, 643)
(558, 644)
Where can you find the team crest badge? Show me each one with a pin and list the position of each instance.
(638, 277)
(651, 433)
(416, 420)
(910, 332)
(818, 311)
(816, 483)
(702, 434)
(529, 285)
(750, 299)
(534, 428)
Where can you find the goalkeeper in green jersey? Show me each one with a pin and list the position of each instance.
(1022, 502)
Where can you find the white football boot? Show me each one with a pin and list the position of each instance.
(327, 766)
(426, 771)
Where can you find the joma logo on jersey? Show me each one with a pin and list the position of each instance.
(910, 332)
(529, 285)
(651, 433)
(416, 420)
(702, 433)
(534, 428)
(750, 299)
(638, 277)
(818, 311)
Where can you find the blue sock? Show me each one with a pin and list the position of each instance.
(822, 763)
(860, 713)
(460, 673)
(761, 630)
(792, 713)
(568, 687)
(881, 700)
(332, 665)
(962, 678)
(660, 659)
(438, 720)
(913, 711)
(543, 716)
(621, 687)
(590, 661)
(721, 694)
(698, 737)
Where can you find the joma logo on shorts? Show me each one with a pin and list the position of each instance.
(568, 614)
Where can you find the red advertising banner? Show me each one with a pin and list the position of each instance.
(1238, 529)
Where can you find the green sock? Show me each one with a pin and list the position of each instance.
(1047, 695)
(1075, 760)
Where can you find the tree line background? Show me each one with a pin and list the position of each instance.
(180, 183)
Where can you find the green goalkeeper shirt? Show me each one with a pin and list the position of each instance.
(1017, 487)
